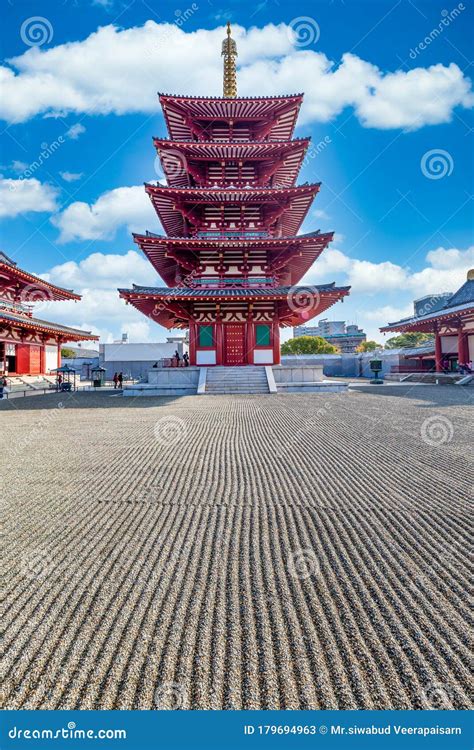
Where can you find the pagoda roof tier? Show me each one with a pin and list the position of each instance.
(279, 161)
(174, 257)
(177, 206)
(191, 118)
(19, 284)
(12, 320)
(173, 308)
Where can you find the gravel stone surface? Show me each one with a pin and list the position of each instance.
(288, 551)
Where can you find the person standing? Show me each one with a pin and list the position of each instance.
(120, 379)
(115, 379)
(186, 359)
(177, 358)
(3, 384)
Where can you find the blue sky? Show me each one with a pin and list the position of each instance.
(387, 93)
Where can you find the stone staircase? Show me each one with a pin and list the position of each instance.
(434, 378)
(247, 379)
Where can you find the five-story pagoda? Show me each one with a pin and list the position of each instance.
(232, 255)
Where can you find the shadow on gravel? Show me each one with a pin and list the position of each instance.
(435, 396)
(88, 400)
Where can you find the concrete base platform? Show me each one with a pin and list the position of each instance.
(320, 386)
(304, 379)
(168, 381)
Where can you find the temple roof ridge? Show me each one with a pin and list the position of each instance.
(281, 142)
(38, 322)
(223, 98)
(20, 272)
(4, 258)
(464, 294)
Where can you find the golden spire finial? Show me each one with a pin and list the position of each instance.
(229, 52)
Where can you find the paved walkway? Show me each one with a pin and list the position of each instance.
(287, 551)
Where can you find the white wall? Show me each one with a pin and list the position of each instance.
(51, 357)
(449, 344)
(263, 356)
(206, 357)
(137, 352)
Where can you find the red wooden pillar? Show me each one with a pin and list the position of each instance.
(43, 358)
(219, 340)
(461, 348)
(60, 341)
(276, 342)
(466, 347)
(438, 353)
(192, 342)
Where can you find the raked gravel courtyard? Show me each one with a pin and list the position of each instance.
(284, 551)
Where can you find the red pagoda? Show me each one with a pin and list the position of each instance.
(231, 210)
(29, 345)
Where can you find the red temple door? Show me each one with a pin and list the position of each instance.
(234, 344)
(35, 360)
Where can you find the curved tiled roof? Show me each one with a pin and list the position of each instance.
(279, 291)
(44, 325)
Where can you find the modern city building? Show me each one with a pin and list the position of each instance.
(232, 256)
(346, 337)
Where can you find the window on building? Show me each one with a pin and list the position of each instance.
(262, 335)
(206, 336)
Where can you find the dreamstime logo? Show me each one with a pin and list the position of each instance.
(171, 164)
(170, 696)
(438, 696)
(47, 150)
(36, 31)
(447, 17)
(315, 149)
(436, 164)
(304, 300)
(303, 31)
(36, 564)
(170, 430)
(303, 563)
(437, 430)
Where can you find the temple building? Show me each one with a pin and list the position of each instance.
(28, 345)
(231, 210)
(451, 319)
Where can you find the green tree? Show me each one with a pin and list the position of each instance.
(308, 345)
(68, 353)
(368, 346)
(407, 340)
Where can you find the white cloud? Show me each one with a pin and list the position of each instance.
(319, 213)
(22, 196)
(124, 206)
(388, 313)
(445, 272)
(103, 271)
(71, 176)
(101, 311)
(75, 131)
(96, 76)
(18, 166)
